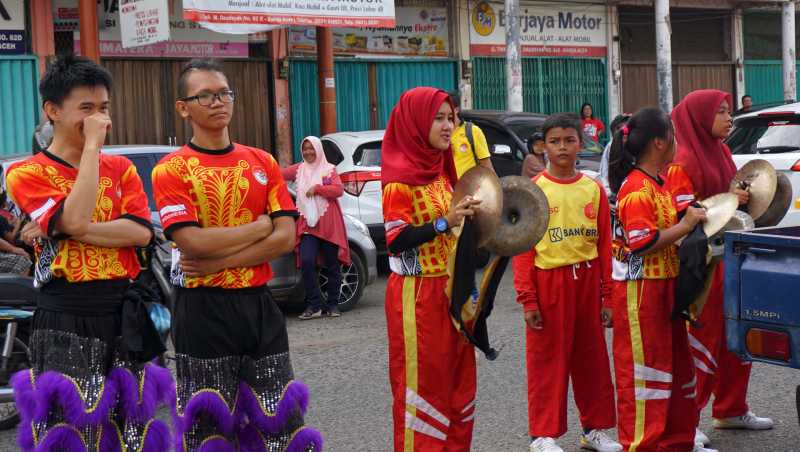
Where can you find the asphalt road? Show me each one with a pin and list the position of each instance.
(344, 362)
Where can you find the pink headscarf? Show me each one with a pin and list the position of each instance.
(310, 175)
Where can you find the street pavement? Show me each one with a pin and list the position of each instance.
(344, 362)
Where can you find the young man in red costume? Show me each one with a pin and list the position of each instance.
(563, 282)
(702, 121)
(431, 365)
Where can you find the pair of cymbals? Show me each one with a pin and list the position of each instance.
(759, 179)
(513, 214)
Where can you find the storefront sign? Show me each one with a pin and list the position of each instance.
(419, 31)
(324, 13)
(554, 29)
(12, 27)
(143, 22)
(187, 39)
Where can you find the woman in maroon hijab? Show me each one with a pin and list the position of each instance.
(702, 121)
(431, 366)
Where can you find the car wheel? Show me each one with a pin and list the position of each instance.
(354, 277)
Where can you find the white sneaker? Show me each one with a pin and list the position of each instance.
(598, 440)
(748, 421)
(701, 438)
(698, 447)
(545, 445)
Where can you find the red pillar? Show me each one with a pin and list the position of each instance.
(283, 111)
(90, 41)
(327, 83)
(42, 34)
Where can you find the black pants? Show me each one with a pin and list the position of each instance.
(236, 387)
(310, 248)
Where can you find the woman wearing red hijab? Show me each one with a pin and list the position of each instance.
(704, 167)
(431, 366)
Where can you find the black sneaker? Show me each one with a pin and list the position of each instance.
(334, 312)
(309, 314)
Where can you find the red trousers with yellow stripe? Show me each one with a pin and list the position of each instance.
(655, 375)
(570, 344)
(431, 368)
(718, 370)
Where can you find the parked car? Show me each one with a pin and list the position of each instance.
(772, 134)
(286, 284)
(357, 156)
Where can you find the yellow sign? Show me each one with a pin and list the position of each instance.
(483, 19)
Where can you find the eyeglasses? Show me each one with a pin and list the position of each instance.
(206, 99)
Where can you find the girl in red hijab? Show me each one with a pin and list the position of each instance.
(431, 366)
(704, 167)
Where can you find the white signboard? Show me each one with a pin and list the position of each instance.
(557, 29)
(12, 27)
(143, 22)
(323, 13)
(418, 32)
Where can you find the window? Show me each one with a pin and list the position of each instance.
(368, 154)
(144, 166)
(762, 137)
(332, 152)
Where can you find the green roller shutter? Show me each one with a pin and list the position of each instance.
(395, 77)
(19, 105)
(549, 85)
(763, 80)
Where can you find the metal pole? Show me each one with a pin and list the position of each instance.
(513, 57)
(663, 55)
(87, 20)
(789, 68)
(326, 80)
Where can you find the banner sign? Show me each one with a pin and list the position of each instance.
(12, 27)
(143, 22)
(418, 32)
(546, 29)
(319, 13)
(187, 39)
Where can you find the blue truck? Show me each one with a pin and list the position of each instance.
(762, 295)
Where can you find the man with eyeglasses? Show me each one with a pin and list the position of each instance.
(228, 210)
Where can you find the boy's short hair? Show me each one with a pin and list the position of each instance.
(197, 64)
(564, 121)
(69, 72)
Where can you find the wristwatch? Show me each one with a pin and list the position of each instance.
(440, 225)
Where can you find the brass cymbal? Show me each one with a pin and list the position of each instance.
(780, 203)
(524, 218)
(759, 178)
(481, 183)
(719, 211)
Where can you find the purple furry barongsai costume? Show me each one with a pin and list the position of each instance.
(90, 387)
(236, 389)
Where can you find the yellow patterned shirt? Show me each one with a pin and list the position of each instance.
(225, 188)
(405, 206)
(39, 186)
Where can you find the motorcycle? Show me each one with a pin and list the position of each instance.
(17, 303)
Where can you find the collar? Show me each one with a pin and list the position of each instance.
(222, 151)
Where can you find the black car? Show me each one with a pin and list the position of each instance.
(507, 133)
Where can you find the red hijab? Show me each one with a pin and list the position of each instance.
(707, 160)
(406, 154)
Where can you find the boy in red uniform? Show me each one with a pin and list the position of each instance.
(562, 284)
(227, 208)
(88, 212)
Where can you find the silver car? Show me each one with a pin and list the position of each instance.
(286, 284)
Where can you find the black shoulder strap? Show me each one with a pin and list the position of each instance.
(471, 140)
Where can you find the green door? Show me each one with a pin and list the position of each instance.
(395, 77)
(352, 98)
(19, 105)
(549, 85)
(763, 80)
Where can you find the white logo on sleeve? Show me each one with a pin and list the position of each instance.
(36, 214)
(260, 176)
(175, 209)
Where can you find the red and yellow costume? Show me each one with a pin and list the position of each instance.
(431, 365)
(709, 169)
(654, 371)
(567, 276)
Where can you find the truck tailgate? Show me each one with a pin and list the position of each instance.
(762, 287)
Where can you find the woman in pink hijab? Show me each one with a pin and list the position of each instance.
(320, 228)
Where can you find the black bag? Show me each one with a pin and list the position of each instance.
(693, 271)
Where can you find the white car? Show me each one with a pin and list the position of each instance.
(357, 156)
(773, 135)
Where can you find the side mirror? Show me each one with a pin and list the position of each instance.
(501, 149)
